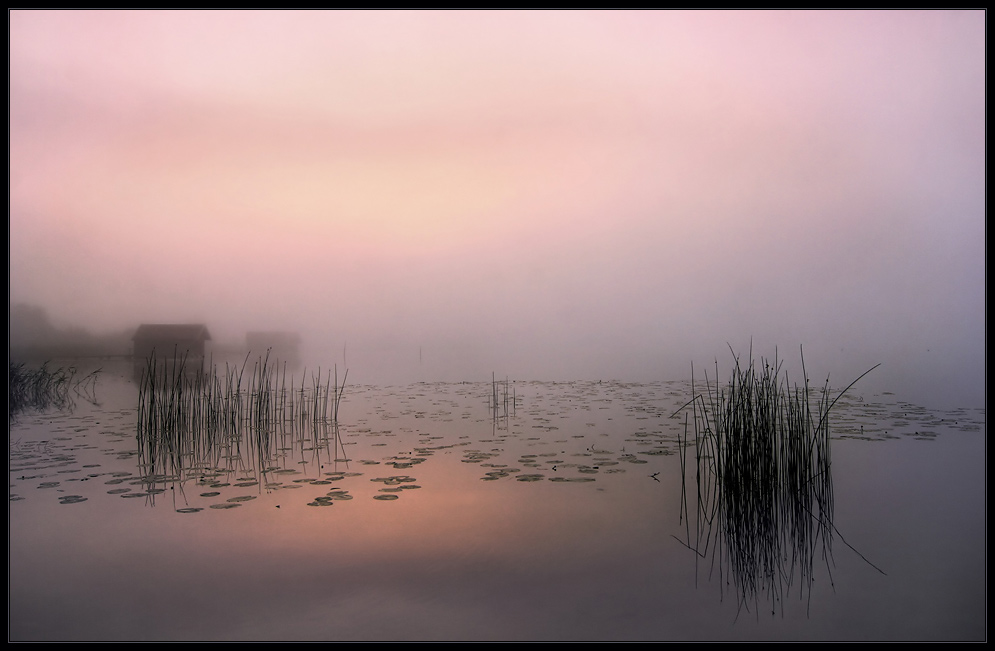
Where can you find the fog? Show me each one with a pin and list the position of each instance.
(541, 195)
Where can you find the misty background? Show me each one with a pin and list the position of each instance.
(544, 195)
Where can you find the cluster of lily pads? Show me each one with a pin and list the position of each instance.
(394, 485)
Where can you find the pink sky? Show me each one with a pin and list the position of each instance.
(571, 193)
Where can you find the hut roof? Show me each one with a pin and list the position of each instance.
(172, 331)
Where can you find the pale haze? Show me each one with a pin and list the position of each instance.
(541, 195)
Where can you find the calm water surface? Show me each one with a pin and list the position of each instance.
(426, 515)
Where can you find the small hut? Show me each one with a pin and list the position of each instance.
(171, 342)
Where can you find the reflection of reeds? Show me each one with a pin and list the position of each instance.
(42, 387)
(762, 481)
(187, 416)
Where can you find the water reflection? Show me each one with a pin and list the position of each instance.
(420, 512)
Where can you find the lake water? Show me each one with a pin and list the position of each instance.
(428, 515)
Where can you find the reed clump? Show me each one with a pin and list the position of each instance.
(762, 480)
(173, 396)
(186, 414)
(502, 400)
(45, 387)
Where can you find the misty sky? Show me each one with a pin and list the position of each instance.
(547, 195)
